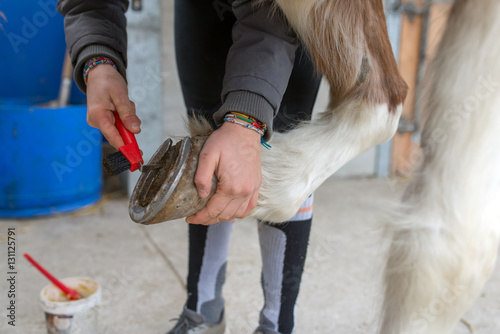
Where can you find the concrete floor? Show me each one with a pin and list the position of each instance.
(142, 268)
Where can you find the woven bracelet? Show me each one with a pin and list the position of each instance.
(245, 119)
(250, 119)
(246, 125)
(250, 123)
(93, 62)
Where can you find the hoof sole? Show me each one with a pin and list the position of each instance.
(169, 193)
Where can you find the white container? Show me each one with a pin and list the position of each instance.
(71, 317)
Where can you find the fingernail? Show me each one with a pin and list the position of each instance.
(203, 193)
(135, 127)
(188, 220)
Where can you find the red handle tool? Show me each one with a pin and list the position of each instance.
(71, 293)
(130, 150)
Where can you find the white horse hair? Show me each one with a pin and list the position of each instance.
(446, 230)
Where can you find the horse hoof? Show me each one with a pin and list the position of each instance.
(169, 193)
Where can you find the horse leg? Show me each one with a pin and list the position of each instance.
(447, 229)
(349, 45)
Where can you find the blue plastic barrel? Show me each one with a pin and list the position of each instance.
(49, 160)
(32, 48)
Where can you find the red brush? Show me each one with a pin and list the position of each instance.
(71, 293)
(128, 156)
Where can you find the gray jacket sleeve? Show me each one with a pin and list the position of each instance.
(258, 66)
(259, 63)
(95, 28)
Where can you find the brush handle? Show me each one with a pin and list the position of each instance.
(127, 136)
(130, 150)
(72, 294)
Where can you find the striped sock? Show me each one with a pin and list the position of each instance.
(209, 247)
(283, 249)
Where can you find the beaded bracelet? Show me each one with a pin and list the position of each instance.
(246, 125)
(248, 122)
(93, 62)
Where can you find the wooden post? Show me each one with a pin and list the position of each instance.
(409, 60)
(438, 17)
(404, 157)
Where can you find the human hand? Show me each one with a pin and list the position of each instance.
(233, 153)
(107, 92)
